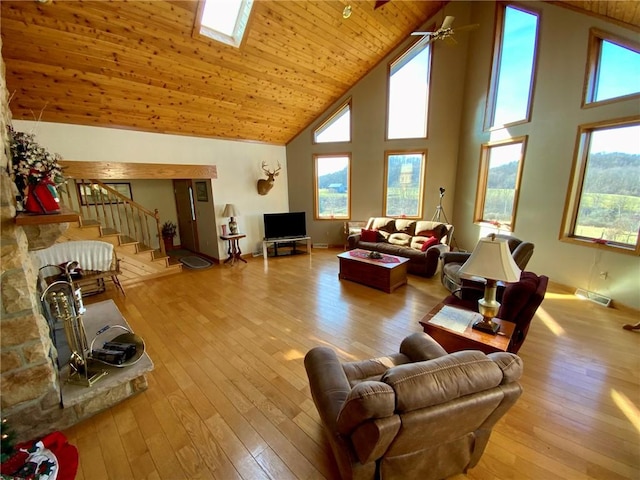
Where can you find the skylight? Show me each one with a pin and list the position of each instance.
(225, 20)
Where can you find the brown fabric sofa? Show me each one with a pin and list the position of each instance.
(404, 238)
(420, 413)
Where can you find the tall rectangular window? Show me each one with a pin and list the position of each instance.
(332, 186)
(603, 206)
(409, 92)
(499, 182)
(513, 70)
(613, 68)
(404, 184)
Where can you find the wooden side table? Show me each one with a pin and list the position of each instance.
(233, 250)
(469, 339)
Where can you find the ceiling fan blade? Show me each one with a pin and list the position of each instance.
(424, 34)
(466, 27)
(379, 3)
(448, 22)
(450, 41)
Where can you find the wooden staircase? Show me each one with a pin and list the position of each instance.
(108, 215)
(138, 262)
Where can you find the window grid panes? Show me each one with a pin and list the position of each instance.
(332, 180)
(607, 201)
(499, 183)
(337, 128)
(409, 93)
(404, 184)
(614, 68)
(514, 66)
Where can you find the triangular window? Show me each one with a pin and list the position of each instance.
(337, 128)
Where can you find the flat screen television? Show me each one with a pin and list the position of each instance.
(285, 225)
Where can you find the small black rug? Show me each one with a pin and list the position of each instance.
(195, 262)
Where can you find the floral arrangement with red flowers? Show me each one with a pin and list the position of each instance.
(31, 163)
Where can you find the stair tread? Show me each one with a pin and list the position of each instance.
(90, 223)
(109, 231)
(126, 240)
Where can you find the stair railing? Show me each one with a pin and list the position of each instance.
(95, 200)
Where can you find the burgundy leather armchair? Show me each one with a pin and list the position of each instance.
(452, 261)
(420, 413)
(518, 303)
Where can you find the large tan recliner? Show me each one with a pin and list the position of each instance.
(418, 414)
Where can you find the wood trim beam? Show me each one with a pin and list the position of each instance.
(133, 171)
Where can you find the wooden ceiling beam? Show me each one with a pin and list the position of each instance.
(135, 171)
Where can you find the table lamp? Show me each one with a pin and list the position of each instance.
(491, 260)
(230, 210)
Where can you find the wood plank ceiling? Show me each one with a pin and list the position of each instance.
(136, 64)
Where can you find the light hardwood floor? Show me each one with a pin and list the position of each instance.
(229, 398)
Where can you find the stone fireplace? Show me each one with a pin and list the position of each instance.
(30, 391)
(30, 397)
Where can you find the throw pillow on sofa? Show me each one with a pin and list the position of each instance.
(400, 239)
(438, 231)
(369, 235)
(429, 242)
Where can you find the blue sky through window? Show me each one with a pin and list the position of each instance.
(515, 77)
(618, 73)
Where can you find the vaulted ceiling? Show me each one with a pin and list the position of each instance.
(137, 65)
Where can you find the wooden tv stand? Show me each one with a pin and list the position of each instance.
(291, 241)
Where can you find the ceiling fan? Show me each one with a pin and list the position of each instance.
(446, 31)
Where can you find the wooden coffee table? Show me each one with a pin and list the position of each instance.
(386, 274)
(468, 338)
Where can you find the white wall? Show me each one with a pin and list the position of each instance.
(238, 165)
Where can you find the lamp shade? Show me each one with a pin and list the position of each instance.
(491, 259)
(230, 210)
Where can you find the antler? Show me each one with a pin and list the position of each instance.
(269, 172)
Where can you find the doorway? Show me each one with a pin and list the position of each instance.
(187, 221)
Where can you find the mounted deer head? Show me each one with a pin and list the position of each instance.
(264, 185)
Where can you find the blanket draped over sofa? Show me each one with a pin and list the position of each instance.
(421, 241)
